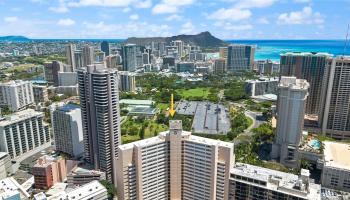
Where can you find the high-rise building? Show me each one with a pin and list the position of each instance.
(70, 49)
(51, 70)
(223, 52)
(88, 55)
(240, 57)
(23, 132)
(261, 86)
(99, 99)
(5, 164)
(48, 171)
(111, 61)
(335, 107)
(219, 66)
(40, 93)
(291, 103)
(252, 182)
(174, 165)
(67, 130)
(185, 67)
(78, 56)
(129, 57)
(67, 78)
(180, 47)
(16, 95)
(105, 47)
(127, 81)
(99, 56)
(309, 66)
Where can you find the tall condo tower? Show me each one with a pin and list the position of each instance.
(70, 49)
(309, 66)
(292, 97)
(335, 106)
(99, 98)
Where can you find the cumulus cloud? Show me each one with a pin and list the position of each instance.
(111, 3)
(230, 14)
(174, 17)
(170, 6)
(187, 28)
(61, 8)
(255, 3)
(305, 16)
(263, 20)
(134, 17)
(10, 19)
(66, 22)
(233, 27)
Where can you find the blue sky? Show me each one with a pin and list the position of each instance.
(226, 19)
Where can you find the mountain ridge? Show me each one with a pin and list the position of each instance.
(14, 38)
(203, 39)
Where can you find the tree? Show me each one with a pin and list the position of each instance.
(111, 190)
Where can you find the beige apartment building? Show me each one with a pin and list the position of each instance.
(174, 165)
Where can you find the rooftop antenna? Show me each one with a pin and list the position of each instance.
(346, 40)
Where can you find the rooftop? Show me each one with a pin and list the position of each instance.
(14, 83)
(294, 83)
(136, 102)
(9, 186)
(19, 116)
(69, 107)
(334, 155)
(278, 181)
(3, 155)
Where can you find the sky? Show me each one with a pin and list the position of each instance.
(225, 19)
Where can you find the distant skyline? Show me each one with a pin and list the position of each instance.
(225, 19)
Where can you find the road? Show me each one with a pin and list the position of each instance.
(257, 121)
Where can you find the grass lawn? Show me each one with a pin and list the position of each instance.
(152, 130)
(22, 67)
(197, 92)
(162, 106)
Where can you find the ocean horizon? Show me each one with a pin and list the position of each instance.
(266, 49)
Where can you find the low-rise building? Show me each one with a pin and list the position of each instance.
(336, 166)
(17, 95)
(252, 182)
(81, 176)
(185, 67)
(48, 171)
(10, 189)
(91, 191)
(261, 86)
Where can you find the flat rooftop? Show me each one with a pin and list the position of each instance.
(19, 116)
(278, 181)
(318, 54)
(136, 102)
(336, 154)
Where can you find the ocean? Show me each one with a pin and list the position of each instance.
(271, 49)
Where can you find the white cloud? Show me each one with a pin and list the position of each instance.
(144, 4)
(302, 1)
(163, 9)
(233, 27)
(230, 14)
(174, 17)
(187, 28)
(263, 20)
(170, 6)
(111, 3)
(305, 16)
(10, 19)
(126, 10)
(66, 22)
(255, 3)
(134, 17)
(59, 9)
